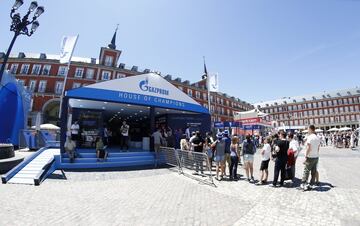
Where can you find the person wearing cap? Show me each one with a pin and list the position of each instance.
(227, 150)
(219, 146)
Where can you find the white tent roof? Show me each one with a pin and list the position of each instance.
(145, 89)
(47, 127)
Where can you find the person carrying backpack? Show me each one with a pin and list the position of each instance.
(249, 150)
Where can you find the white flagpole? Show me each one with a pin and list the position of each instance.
(65, 79)
(208, 88)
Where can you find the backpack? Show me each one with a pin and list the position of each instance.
(249, 148)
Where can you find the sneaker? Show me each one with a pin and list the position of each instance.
(252, 180)
(248, 180)
(272, 185)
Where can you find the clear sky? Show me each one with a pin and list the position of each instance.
(262, 49)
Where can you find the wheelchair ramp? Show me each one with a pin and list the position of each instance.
(34, 169)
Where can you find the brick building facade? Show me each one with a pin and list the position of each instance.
(324, 110)
(44, 76)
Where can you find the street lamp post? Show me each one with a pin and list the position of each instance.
(20, 25)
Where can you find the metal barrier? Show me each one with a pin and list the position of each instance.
(187, 162)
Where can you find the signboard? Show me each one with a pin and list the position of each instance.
(251, 127)
(250, 120)
(146, 89)
(226, 124)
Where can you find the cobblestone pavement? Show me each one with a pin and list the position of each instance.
(163, 197)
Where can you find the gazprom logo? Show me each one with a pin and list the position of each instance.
(144, 86)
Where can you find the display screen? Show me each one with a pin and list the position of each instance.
(89, 123)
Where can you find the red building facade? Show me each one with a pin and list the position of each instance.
(325, 110)
(44, 76)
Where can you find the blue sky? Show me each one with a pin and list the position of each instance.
(262, 49)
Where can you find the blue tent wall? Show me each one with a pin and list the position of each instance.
(11, 114)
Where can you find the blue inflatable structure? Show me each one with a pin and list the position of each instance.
(14, 107)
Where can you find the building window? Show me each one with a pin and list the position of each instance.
(204, 96)
(90, 73)
(32, 85)
(206, 106)
(59, 87)
(76, 85)
(120, 75)
(321, 120)
(109, 61)
(62, 71)
(350, 100)
(25, 68)
(21, 82)
(79, 72)
(36, 69)
(105, 75)
(197, 94)
(46, 69)
(13, 69)
(342, 118)
(189, 91)
(42, 86)
(356, 108)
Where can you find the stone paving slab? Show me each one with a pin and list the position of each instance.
(163, 197)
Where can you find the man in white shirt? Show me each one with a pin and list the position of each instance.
(124, 135)
(312, 146)
(75, 131)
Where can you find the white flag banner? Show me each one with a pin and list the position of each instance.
(67, 48)
(213, 82)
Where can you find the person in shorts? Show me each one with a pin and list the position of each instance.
(219, 154)
(249, 150)
(265, 159)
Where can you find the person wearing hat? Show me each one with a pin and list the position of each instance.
(219, 146)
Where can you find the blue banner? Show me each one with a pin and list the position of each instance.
(226, 124)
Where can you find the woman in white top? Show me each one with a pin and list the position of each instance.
(265, 156)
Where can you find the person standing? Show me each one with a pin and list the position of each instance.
(234, 158)
(124, 129)
(293, 152)
(281, 148)
(75, 128)
(157, 144)
(249, 150)
(227, 150)
(198, 144)
(70, 147)
(265, 157)
(209, 150)
(312, 146)
(219, 146)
